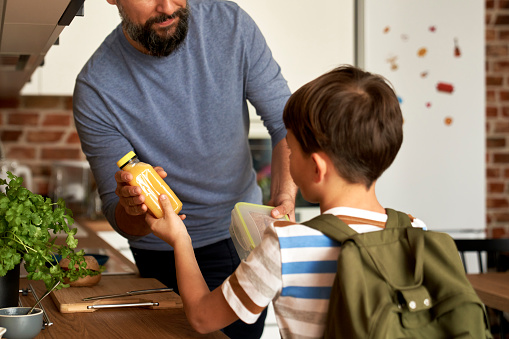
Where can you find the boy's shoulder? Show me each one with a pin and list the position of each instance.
(360, 220)
(290, 229)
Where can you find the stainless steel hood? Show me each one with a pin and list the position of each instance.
(28, 28)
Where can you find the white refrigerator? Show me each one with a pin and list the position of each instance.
(433, 54)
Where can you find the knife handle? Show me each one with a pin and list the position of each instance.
(123, 305)
(130, 293)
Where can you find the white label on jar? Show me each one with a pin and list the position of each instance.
(145, 180)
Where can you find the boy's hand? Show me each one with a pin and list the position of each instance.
(170, 227)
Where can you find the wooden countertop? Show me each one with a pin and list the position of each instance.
(131, 322)
(95, 225)
(92, 243)
(492, 288)
(126, 323)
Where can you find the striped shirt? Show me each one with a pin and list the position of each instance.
(294, 267)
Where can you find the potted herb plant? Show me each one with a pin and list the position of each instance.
(29, 224)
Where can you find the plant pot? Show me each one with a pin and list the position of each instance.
(9, 288)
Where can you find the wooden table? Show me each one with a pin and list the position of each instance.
(492, 288)
(122, 323)
(127, 322)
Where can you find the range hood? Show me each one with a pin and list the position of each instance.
(28, 28)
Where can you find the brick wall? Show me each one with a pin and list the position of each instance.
(39, 130)
(497, 117)
(36, 131)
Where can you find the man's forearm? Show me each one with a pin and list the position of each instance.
(131, 224)
(282, 188)
(281, 180)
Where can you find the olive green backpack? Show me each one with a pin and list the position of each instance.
(402, 282)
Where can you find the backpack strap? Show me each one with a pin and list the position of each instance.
(331, 226)
(337, 229)
(400, 222)
(397, 219)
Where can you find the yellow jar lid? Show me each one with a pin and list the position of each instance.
(125, 159)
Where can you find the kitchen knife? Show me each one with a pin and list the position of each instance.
(123, 305)
(129, 293)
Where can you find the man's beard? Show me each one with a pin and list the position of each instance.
(154, 43)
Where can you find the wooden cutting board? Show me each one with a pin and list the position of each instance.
(69, 300)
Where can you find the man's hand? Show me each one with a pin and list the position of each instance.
(131, 209)
(282, 188)
(285, 205)
(131, 198)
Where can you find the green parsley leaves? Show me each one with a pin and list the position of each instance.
(28, 227)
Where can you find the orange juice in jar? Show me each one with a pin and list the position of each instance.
(150, 183)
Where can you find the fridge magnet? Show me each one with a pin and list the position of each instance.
(387, 29)
(457, 51)
(424, 74)
(428, 104)
(392, 62)
(422, 52)
(432, 29)
(448, 121)
(445, 87)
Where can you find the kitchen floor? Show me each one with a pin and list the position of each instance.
(270, 331)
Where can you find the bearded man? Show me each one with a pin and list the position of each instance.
(171, 83)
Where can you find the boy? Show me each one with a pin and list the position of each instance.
(344, 130)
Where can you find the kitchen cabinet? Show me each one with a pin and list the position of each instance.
(77, 42)
(28, 28)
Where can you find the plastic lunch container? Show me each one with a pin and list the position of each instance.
(248, 223)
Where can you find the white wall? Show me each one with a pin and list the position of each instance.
(77, 42)
(306, 38)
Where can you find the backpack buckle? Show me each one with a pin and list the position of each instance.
(415, 299)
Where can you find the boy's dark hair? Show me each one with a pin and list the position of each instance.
(351, 115)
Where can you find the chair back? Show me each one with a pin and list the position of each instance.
(494, 248)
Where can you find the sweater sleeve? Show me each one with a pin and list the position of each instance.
(266, 88)
(257, 280)
(102, 143)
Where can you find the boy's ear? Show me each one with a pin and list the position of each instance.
(112, 2)
(321, 166)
